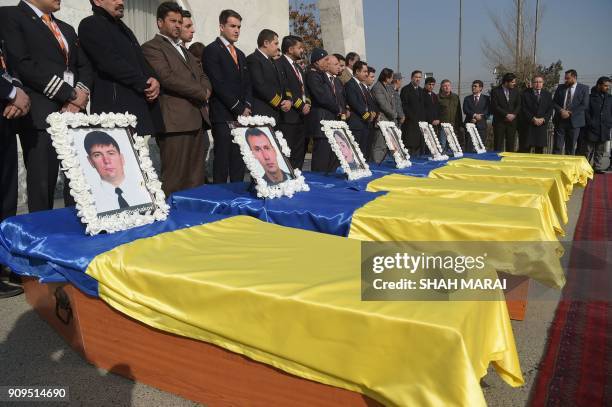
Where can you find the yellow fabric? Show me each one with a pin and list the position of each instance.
(556, 191)
(397, 217)
(291, 298)
(584, 169)
(566, 171)
(530, 196)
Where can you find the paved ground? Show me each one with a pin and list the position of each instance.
(32, 354)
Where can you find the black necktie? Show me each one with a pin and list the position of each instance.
(120, 199)
(538, 95)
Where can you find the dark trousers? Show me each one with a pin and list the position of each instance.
(182, 160)
(323, 158)
(505, 136)
(228, 159)
(295, 134)
(42, 168)
(594, 152)
(523, 131)
(362, 137)
(566, 137)
(8, 170)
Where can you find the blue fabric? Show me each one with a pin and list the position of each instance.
(52, 245)
(323, 209)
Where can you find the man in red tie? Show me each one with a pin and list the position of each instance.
(45, 54)
(476, 108)
(232, 95)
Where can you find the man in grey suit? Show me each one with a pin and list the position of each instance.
(571, 100)
(397, 86)
(383, 94)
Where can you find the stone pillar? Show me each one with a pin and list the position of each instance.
(342, 26)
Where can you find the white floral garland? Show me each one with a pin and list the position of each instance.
(451, 137)
(286, 188)
(385, 127)
(328, 127)
(80, 189)
(432, 142)
(476, 140)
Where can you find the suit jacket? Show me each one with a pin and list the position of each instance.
(185, 87)
(37, 59)
(413, 103)
(324, 102)
(6, 87)
(385, 100)
(121, 71)
(483, 107)
(268, 85)
(432, 106)
(500, 107)
(361, 105)
(340, 96)
(599, 116)
(296, 90)
(532, 107)
(579, 105)
(232, 91)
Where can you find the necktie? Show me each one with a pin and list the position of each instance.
(296, 69)
(568, 98)
(507, 93)
(538, 95)
(233, 53)
(48, 20)
(476, 99)
(120, 199)
(331, 82)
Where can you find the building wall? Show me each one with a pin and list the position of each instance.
(342, 26)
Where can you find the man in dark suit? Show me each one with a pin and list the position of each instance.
(505, 105)
(476, 108)
(14, 103)
(45, 54)
(598, 123)
(571, 101)
(292, 123)
(123, 80)
(334, 70)
(361, 104)
(432, 109)
(226, 67)
(536, 111)
(324, 107)
(185, 89)
(413, 103)
(269, 97)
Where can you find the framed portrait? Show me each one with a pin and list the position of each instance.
(110, 174)
(265, 153)
(347, 150)
(393, 139)
(475, 137)
(432, 142)
(451, 139)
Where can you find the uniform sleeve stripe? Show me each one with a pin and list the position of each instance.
(57, 88)
(51, 84)
(276, 100)
(235, 104)
(82, 86)
(298, 102)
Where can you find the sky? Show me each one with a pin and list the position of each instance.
(579, 33)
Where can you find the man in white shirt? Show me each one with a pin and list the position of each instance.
(115, 189)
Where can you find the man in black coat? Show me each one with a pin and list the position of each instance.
(324, 107)
(226, 67)
(536, 111)
(269, 97)
(361, 104)
(433, 109)
(123, 80)
(505, 105)
(413, 103)
(476, 108)
(292, 123)
(598, 123)
(45, 54)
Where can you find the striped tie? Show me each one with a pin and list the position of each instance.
(56, 32)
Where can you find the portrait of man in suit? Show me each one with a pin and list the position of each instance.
(396, 143)
(348, 151)
(117, 185)
(263, 149)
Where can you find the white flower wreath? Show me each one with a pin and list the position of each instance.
(328, 127)
(476, 139)
(286, 188)
(385, 127)
(451, 137)
(63, 142)
(432, 142)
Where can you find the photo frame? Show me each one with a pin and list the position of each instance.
(476, 139)
(451, 139)
(432, 142)
(393, 139)
(109, 171)
(344, 145)
(265, 153)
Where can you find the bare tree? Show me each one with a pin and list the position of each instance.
(304, 22)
